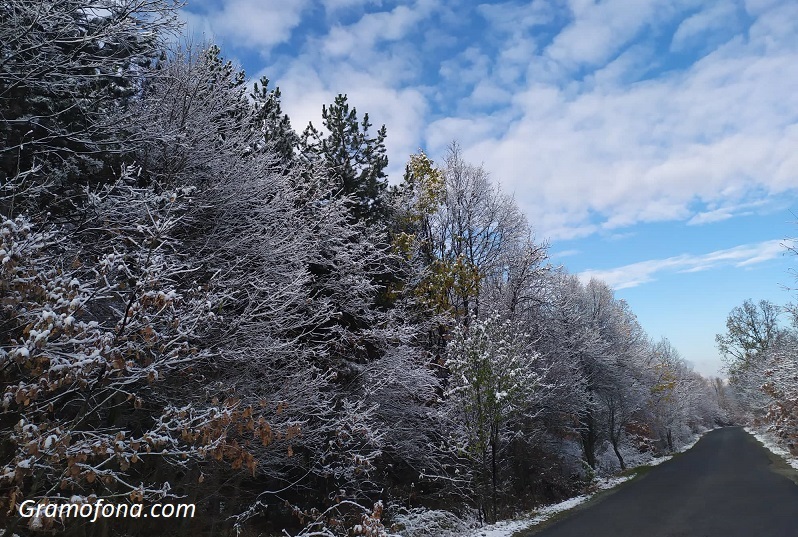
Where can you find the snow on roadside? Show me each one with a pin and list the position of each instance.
(772, 444)
(660, 460)
(504, 528)
(656, 461)
(507, 528)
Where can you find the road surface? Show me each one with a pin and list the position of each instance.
(728, 485)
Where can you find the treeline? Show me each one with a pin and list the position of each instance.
(201, 304)
(761, 355)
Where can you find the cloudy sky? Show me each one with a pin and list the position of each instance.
(652, 143)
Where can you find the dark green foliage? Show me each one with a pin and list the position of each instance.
(68, 73)
(355, 161)
(272, 127)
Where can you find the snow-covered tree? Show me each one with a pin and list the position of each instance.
(69, 70)
(97, 326)
(480, 242)
(674, 392)
(750, 330)
(780, 384)
(193, 123)
(492, 378)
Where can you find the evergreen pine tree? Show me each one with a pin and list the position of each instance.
(273, 125)
(355, 161)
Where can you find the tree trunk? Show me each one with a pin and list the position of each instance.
(494, 472)
(615, 442)
(589, 441)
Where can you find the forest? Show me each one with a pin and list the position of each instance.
(201, 304)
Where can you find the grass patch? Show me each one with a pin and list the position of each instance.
(637, 471)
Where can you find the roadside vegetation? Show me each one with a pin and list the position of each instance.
(761, 358)
(200, 303)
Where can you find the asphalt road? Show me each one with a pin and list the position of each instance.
(728, 485)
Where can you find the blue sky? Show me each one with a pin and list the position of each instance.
(652, 143)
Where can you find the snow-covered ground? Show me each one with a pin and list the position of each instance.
(507, 528)
(770, 441)
(659, 460)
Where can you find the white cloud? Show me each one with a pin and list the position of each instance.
(514, 17)
(642, 272)
(469, 67)
(708, 217)
(487, 93)
(466, 131)
(719, 214)
(721, 16)
(600, 152)
(604, 154)
(600, 29)
(372, 28)
(564, 253)
(248, 23)
(776, 28)
(333, 6)
(757, 7)
(628, 67)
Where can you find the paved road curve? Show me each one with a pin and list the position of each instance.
(728, 485)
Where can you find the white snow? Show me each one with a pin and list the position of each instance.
(501, 529)
(48, 442)
(659, 460)
(507, 528)
(771, 443)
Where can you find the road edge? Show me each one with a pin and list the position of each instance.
(543, 517)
